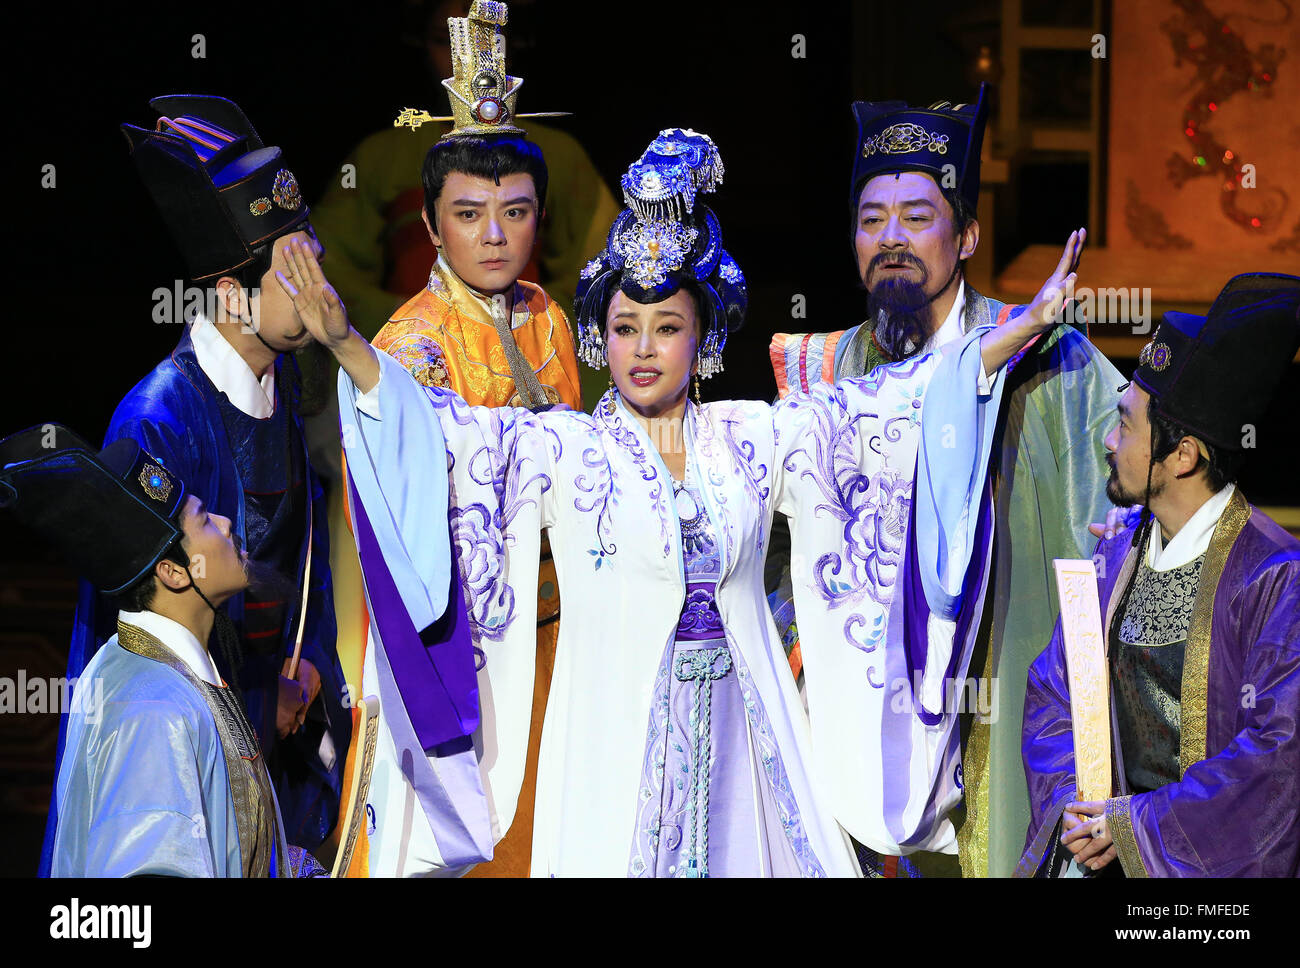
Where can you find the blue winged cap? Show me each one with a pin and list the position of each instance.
(894, 137)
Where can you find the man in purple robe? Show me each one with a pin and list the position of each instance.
(1202, 613)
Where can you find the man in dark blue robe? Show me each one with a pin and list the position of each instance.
(221, 413)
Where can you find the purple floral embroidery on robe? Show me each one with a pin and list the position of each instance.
(873, 510)
(479, 536)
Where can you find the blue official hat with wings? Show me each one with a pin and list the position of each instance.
(943, 141)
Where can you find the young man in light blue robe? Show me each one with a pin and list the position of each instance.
(162, 775)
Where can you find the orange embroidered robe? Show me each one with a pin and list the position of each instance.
(445, 337)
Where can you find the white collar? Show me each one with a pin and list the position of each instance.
(178, 639)
(952, 324)
(1192, 538)
(229, 373)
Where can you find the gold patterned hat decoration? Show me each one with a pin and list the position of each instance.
(482, 94)
(1155, 355)
(943, 140)
(155, 481)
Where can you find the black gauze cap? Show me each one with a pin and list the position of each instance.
(1215, 374)
(220, 191)
(111, 515)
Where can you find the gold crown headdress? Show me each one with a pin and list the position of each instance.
(482, 94)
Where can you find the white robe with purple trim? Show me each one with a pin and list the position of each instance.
(840, 462)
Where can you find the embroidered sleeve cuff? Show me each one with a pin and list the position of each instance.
(1119, 822)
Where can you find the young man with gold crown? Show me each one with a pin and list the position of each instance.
(477, 328)
(380, 251)
(914, 191)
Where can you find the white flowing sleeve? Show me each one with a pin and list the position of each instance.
(847, 461)
(451, 647)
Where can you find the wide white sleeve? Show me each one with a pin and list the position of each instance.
(844, 489)
(438, 482)
(845, 472)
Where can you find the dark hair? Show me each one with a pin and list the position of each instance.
(962, 213)
(482, 158)
(701, 310)
(139, 597)
(1220, 470)
(250, 276)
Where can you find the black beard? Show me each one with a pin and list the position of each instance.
(1121, 498)
(899, 310)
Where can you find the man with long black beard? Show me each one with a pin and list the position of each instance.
(914, 194)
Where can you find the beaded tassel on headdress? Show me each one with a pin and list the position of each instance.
(662, 241)
(591, 348)
(711, 352)
(662, 184)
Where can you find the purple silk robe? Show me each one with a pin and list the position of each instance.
(1236, 809)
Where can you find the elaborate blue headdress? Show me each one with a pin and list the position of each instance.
(663, 241)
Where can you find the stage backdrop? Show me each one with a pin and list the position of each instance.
(1201, 91)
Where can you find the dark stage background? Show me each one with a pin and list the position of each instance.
(316, 77)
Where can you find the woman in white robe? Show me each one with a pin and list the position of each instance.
(608, 486)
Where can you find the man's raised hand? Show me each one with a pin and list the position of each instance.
(1048, 306)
